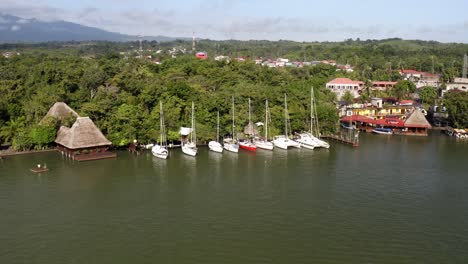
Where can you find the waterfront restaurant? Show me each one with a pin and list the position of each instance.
(83, 141)
(414, 124)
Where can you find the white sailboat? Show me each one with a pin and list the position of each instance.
(215, 145)
(283, 141)
(315, 129)
(306, 139)
(189, 147)
(160, 150)
(263, 143)
(230, 144)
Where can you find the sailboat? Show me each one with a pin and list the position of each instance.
(263, 143)
(215, 145)
(250, 130)
(283, 141)
(230, 144)
(189, 147)
(160, 150)
(307, 139)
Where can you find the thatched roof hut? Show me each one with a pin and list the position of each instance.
(83, 134)
(61, 110)
(417, 119)
(250, 129)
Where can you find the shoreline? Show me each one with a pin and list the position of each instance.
(14, 153)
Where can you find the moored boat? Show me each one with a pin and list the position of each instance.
(263, 143)
(382, 131)
(215, 145)
(230, 144)
(250, 131)
(283, 141)
(160, 150)
(189, 146)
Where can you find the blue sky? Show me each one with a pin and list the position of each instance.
(299, 20)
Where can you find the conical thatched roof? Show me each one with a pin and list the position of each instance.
(417, 119)
(83, 134)
(61, 110)
(250, 129)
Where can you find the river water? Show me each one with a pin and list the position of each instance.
(391, 200)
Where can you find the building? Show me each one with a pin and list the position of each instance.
(413, 123)
(340, 85)
(382, 85)
(460, 84)
(83, 141)
(201, 55)
(421, 79)
(61, 111)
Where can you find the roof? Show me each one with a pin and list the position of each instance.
(250, 129)
(61, 110)
(384, 83)
(407, 102)
(83, 134)
(344, 81)
(417, 119)
(410, 71)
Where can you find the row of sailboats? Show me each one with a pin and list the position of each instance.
(308, 140)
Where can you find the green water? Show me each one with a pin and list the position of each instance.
(392, 200)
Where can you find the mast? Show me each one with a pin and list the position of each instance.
(217, 128)
(193, 136)
(266, 120)
(161, 124)
(233, 125)
(250, 122)
(285, 116)
(312, 110)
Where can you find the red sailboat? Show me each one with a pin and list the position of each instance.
(249, 130)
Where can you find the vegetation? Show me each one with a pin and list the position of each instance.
(105, 81)
(457, 106)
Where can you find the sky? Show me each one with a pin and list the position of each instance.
(299, 20)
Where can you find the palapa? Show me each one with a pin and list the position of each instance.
(83, 134)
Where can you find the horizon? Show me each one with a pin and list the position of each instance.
(258, 20)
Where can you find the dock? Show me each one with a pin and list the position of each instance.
(342, 139)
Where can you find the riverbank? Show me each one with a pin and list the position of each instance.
(6, 153)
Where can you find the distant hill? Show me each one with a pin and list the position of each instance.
(15, 29)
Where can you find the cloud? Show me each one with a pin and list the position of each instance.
(15, 28)
(221, 23)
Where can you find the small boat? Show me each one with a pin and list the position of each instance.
(263, 143)
(283, 141)
(160, 150)
(230, 144)
(39, 168)
(382, 131)
(189, 147)
(250, 131)
(215, 145)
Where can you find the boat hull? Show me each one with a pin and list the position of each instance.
(283, 142)
(215, 146)
(248, 146)
(160, 152)
(231, 147)
(264, 145)
(189, 149)
(382, 132)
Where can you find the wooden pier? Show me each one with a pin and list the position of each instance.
(342, 139)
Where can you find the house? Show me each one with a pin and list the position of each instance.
(421, 79)
(61, 111)
(201, 55)
(413, 123)
(460, 84)
(382, 85)
(83, 141)
(340, 85)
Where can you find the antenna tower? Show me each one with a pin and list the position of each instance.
(465, 66)
(193, 41)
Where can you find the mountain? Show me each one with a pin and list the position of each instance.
(15, 29)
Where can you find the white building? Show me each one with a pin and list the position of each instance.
(457, 84)
(340, 85)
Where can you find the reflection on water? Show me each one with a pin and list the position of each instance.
(392, 200)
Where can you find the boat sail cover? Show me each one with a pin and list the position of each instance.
(185, 131)
(250, 129)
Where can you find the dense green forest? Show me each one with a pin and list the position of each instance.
(120, 93)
